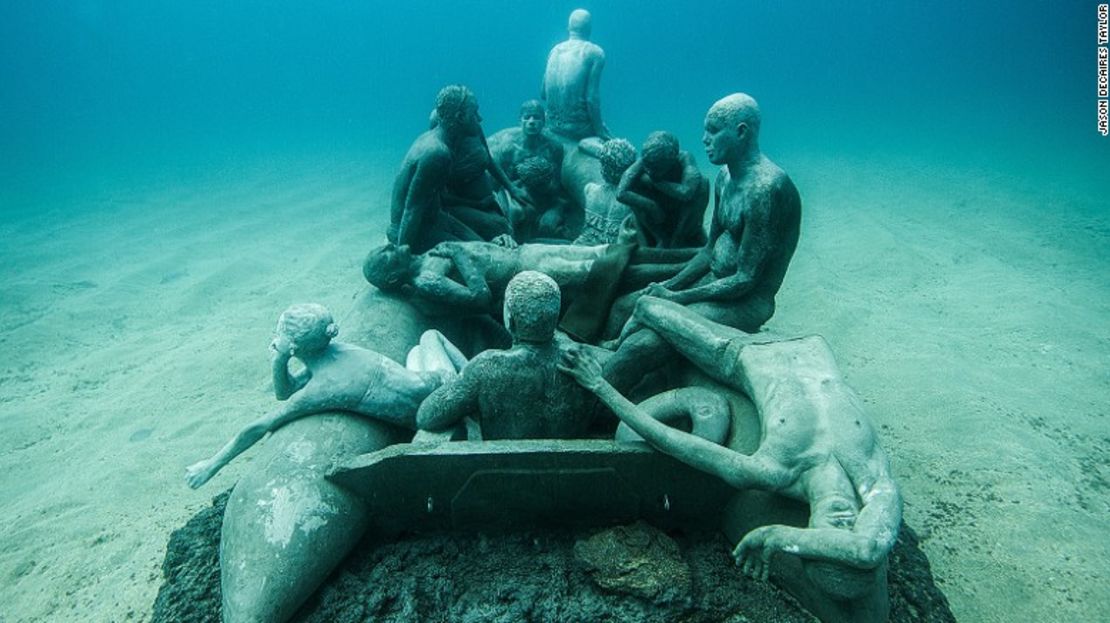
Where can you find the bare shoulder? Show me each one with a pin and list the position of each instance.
(429, 149)
(504, 138)
(774, 181)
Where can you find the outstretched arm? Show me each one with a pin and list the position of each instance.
(865, 546)
(304, 403)
(738, 470)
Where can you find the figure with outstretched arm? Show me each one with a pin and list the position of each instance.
(816, 443)
(337, 377)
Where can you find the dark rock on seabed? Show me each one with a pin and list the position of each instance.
(524, 576)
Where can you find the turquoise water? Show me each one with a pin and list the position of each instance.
(106, 88)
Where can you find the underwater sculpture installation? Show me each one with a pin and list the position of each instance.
(517, 393)
(816, 445)
(667, 194)
(733, 280)
(443, 190)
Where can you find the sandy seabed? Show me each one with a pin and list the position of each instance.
(970, 309)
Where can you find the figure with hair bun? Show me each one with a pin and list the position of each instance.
(337, 377)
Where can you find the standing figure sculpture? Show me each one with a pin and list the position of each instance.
(667, 194)
(517, 393)
(733, 280)
(816, 443)
(571, 83)
(444, 190)
(337, 377)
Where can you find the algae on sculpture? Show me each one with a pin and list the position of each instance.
(690, 301)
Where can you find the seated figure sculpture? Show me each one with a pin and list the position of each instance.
(733, 280)
(466, 278)
(517, 393)
(511, 146)
(544, 216)
(443, 191)
(604, 212)
(337, 377)
(572, 83)
(667, 194)
(816, 444)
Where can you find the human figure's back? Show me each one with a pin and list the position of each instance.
(571, 83)
(524, 396)
(517, 393)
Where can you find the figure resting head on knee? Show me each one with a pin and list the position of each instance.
(532, 304)
(536, 174)
(616, 156)
(305, 329)
(660, 154)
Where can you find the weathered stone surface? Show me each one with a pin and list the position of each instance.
(637, 560)
(514, 577)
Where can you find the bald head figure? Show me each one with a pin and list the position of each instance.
(579, 23)
(732, 129)
(532, 303)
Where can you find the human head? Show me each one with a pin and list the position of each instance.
(307, 327)
(660, 153)
(535, 173)
(532, 307)
(532, 117)
(731, 128)
(457, 110)
(616, 156)
(389, 266)
(579, 24)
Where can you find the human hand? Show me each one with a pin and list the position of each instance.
(281, 347)
(658, 290)
(753, 553)
(505, 240)
(582, 367)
